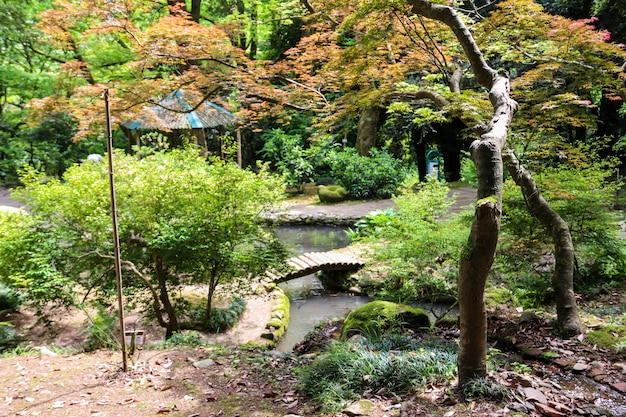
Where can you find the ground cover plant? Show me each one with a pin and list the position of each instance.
(392, 364)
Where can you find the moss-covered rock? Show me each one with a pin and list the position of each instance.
(280, 316)
(495, 297)
(331, 193)
(378, 317)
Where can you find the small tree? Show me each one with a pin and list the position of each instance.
(181, 222)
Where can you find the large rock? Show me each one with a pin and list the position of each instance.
(331, 193)
(378, 317)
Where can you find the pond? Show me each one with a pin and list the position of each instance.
(310, 303)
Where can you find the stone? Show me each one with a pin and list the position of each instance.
(580, 367)
(619, 386)
(534, 395)
(549, 411)
(620, 366)
(46, 352)
(331, 193)
(205, 363)
(360, 408)
(563, 362)
(376, 317)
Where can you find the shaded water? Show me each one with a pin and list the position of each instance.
(582, 387)
(310, 304)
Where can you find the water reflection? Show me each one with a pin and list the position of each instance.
(312, 238)
(310, 304)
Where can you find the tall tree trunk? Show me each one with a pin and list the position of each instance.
(563, 278)
(367, 131)
(196, 6)
(254, 16)
(243, 40)
(479, 252)
(172, 323)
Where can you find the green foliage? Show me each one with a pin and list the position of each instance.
(186, 338)
(396, 363)
(286, 153)
(378, 317)
(376, 176)
(9, 338)
(101, 333)
(10, 300)
(421, 250)
(181, 222)
(483, 388)
(29, 262)
(583, 197)
(223, 319)
(373, 223)
(468, 172)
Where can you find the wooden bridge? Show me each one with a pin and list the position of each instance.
(311, 262)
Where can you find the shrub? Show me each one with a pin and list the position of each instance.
(102, 332)
(373, 223)
(583, 197)
(287, 155)
(9, 338)
(421, 249)
(376, 176)
(223, 319)
(9, 299)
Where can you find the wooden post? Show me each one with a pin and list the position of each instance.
(116, 238)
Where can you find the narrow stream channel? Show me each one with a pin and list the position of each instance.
(310, 303)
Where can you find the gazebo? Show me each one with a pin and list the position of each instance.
(181, 112)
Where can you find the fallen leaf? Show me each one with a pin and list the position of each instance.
(127, 401)
(29, 399)
(58, 404)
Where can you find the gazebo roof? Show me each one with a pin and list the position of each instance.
(176, 112)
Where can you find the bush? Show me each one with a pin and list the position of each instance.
(376, 176)
(287, 155)
(9, 338)
(395, 363)
(223, 319)
(421, 249)
(102, 332)
(9, 300)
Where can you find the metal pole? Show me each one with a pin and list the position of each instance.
(116, 238)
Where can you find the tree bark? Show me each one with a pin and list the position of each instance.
(563, 277)
(367, 131)
(479, 252)
(172, 323)
(195, 10)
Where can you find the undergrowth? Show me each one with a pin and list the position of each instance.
(394, 364)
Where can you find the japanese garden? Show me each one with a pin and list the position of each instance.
(312, 208)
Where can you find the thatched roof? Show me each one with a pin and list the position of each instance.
(176, 112)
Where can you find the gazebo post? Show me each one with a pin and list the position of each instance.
(239, 151)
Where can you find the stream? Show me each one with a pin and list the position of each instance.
(310, 303)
